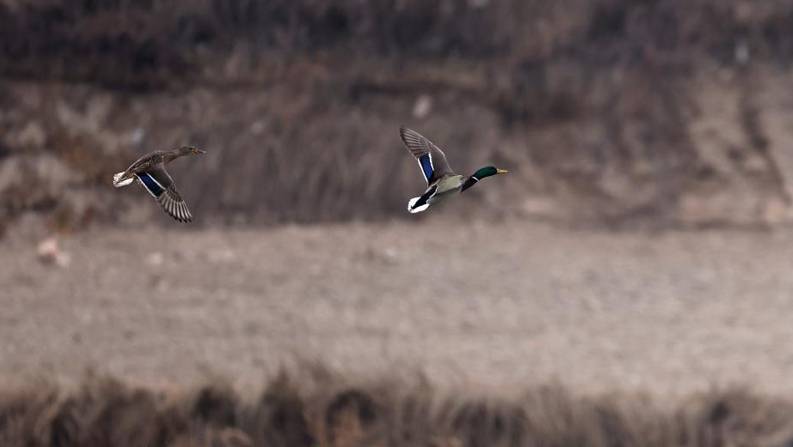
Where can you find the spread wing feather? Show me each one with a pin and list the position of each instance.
(161, 186)
(431, 158)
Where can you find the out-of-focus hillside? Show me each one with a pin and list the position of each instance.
(506, 304)
(616, 111)
(676, 340)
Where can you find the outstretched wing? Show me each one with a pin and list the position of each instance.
(432, 160)
(160, 185)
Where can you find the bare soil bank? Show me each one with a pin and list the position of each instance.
(485, 306)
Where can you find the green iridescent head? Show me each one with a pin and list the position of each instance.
(488, 171)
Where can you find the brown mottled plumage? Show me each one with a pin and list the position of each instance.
(150, 172)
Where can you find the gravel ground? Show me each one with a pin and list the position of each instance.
(480, 305)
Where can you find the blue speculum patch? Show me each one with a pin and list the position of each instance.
(426, 165)
(150, 184)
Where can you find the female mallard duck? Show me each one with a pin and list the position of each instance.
(150, 172)
(441, 180)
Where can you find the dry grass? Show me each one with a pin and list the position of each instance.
(575, 96)
(144, 42)
(320, 410)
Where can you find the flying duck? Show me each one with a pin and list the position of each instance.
(150, 172)
(441, 180)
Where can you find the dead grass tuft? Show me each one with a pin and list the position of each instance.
(330, 412)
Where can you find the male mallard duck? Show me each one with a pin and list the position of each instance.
(441, 180)
(150, 172)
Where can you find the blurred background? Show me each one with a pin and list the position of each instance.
(657, 112)
(641, 243)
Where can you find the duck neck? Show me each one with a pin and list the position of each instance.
(171, 156)
(478, 175)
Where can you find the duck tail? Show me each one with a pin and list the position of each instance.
(417, 209)
(119, 180)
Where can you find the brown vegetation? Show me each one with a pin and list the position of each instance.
(316, 409)
(608, 110)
